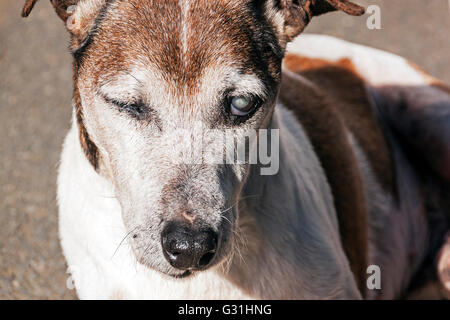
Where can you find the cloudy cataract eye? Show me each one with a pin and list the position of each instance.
(241, 105)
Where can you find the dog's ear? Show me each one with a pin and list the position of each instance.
(78, 15)
(292, 16)
(62, 7)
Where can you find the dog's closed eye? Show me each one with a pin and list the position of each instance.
(137, 109)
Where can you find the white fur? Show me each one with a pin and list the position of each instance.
(376, 66)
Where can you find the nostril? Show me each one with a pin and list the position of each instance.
(208, 248)
(206, 259)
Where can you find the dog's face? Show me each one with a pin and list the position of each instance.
(153, 79)
(157, 78)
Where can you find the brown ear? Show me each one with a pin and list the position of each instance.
(298, 13)
(29, 4)
(60, 6)
(323, 6)
(78, 15)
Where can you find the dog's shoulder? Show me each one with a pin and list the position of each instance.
(347, 97)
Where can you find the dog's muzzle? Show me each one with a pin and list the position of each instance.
(186, 248)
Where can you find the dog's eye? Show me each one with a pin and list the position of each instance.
(135, 109)
(242, 105)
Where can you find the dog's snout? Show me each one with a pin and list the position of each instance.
(188, 249)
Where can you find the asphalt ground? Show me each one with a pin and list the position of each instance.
(35, 98)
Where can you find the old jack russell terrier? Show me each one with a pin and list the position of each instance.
(363, 156)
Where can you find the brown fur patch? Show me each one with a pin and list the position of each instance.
(348, 94)
(89, 148)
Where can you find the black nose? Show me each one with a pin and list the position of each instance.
(186, 248)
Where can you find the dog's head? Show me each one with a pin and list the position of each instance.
(154, 76)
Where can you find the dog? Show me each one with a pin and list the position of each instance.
(363, 156)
